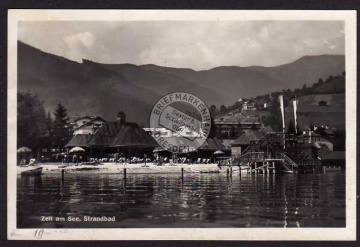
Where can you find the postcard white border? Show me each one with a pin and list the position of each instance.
(347, 233)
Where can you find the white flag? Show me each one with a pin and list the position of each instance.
(295, 102)
(282, 110)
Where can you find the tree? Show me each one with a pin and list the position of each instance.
(311, 126)
(48, 130)
(213, 130)
(223, 109)
(291, 128)
(320, 130)
(212, 110)
(61, 127)
(320, 82)
(31, 122)
(330, 78)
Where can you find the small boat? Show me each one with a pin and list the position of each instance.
(287, 172)
(92, 163)
(29, 170)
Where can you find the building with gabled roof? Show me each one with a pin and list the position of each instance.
(247, 137)
(115, 137)
(88, 126)
(244, 141)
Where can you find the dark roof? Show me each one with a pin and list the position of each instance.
(332, 155)
(214, 144)
(114, 134)
(250, 135)
(133, 135)
(105, 135)
(80, 140)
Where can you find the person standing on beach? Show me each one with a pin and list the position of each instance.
(116, 157)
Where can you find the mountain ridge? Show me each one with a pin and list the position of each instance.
(104, 89)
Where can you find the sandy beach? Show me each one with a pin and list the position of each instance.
(140, 168)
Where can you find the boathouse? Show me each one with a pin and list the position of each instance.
(243, 142)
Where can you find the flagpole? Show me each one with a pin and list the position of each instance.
(281, 99)
(295, 102)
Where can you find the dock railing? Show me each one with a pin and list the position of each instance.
(250, 157)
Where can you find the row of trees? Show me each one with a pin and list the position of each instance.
(37, 129)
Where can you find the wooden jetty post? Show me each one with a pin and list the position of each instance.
(227, 172)
(124, 185)
(62, 175)
(273, 165)
(182, 174)
(124, 179)
(230, 171)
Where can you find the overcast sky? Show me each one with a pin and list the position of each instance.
(187, 44)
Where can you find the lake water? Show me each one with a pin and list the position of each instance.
(201, 200)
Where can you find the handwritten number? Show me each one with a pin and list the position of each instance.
(39, 233)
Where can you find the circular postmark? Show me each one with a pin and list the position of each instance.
(180, 122)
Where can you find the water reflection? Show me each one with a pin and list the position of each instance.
(200, 200)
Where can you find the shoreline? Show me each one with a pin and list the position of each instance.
(151, 168)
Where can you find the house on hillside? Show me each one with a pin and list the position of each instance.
(249, 105)
(267, 105)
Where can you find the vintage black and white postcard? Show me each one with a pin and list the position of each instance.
(182, 125)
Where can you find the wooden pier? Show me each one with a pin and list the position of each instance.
(268, 156)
